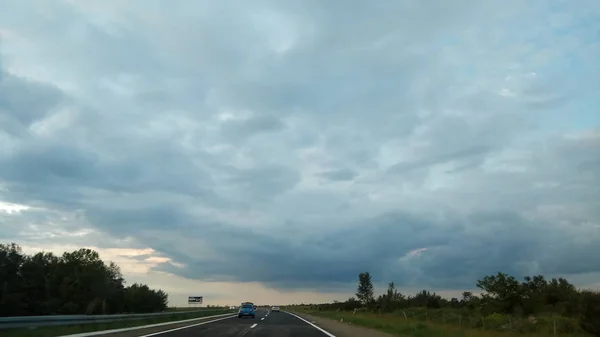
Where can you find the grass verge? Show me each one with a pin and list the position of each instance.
(54, 331)
(192, 308)
(396, 324)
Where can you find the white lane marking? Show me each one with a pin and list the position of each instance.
(253, 325)
(262, 319)
(187, 326)
(140, 327)
(309, 323)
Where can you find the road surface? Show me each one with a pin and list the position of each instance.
(266, 324)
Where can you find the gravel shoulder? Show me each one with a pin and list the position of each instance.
(342, 329)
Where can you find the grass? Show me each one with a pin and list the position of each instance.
(192, 308)
(74, 329)
(399, 325)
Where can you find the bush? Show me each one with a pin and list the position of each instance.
(499, 322)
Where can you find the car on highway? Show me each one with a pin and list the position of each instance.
(275, 308)
(247, 309)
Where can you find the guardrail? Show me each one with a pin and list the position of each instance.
(57, 320)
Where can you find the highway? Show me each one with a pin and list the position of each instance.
(266, 324)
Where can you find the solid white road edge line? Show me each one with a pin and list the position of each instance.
(186, 327)
(255, 324)
(106, 332)
(309, 323)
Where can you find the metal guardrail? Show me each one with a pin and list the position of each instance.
(57, 320)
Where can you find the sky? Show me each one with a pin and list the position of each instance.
(272, 150)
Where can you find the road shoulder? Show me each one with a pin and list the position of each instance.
(156, 329)
(341, 329)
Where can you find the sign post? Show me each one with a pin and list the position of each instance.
(194, 300)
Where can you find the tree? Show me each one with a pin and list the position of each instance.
(502, 293)
(38, 283)
(505, 293)
(454, 303)
(561, 296)
(140, 298)
(533, 292)
(77, 282)
(590, 318)
(426, 299)
(365, 289)
(11, 290)
(351, 304)
(467, 296)
(391, 300)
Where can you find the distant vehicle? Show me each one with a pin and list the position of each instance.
(275, 308)
(247, 309)
(254, 307)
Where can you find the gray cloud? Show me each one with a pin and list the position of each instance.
(339, 175)
(23, 102)
(243, 129)
(299, 143)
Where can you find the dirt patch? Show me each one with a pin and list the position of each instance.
(342, 329)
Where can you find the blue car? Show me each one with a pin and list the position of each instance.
(247, 309)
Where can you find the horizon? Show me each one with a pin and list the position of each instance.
(379, 286)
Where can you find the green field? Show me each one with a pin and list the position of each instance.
(418, 322)
(192, 308)
(67, 330)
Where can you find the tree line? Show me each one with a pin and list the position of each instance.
(501, 294)
(77, 282)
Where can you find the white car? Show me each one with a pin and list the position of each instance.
(275, 308)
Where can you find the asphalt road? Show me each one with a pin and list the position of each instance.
(266, 324)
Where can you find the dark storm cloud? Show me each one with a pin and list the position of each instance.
(458, 253)
(428, 145)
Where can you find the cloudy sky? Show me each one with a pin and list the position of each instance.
(271, 150)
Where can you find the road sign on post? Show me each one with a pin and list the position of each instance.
(195, 300)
